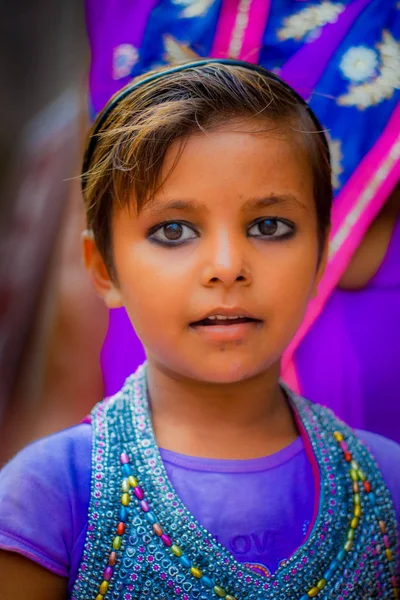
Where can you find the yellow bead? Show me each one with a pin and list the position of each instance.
(396, 593)
(357, 511)
(354, 523)
(348, 545)
(104, 587)
(321, 584)
(176, 550)
(133, 482)
(339, 438)
(313, 592)
(125, 499)
(100, 597)
(389, 555)
(117, 541)
(196, 572)
(220, 591)
(125, 485)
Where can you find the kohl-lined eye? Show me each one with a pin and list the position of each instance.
(271, 228)
(172, 233)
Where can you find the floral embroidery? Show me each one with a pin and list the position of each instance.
(309, 19)
(359, 63)
(193, 8)
(125, 57)
(177, 52)
(335, 149)
(381, 86)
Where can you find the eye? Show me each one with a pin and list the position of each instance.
(172, 233)
(271, 228)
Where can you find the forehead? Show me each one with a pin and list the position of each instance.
(235, 163)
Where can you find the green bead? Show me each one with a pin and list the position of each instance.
(220, 591)
(361, 475)
(176, 550)
(356, 499)
(354, 475)
(321, 584)
(350, 535)
(348, 545)
(117, 541)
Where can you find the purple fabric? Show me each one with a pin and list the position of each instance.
(347, 359)
(108, 31)
(316, 54)
(259, 509)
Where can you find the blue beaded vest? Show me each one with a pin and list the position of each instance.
(143, 543)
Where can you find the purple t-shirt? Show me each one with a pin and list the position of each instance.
(259, 509)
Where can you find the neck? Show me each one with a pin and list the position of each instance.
(241, 420)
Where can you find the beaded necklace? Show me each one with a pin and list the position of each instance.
(143, 543)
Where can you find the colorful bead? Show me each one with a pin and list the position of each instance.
(144, 506)
(229, 597)
(354, 475)
(125, 485)
(150, 517)
(108, 573)
(354, 523)
(389, 554)
(117, 541)
(357, 511)
(356, 499)
(321, 584)
(126, 470)
(176, 550)
(361, 475)
(125, 499)
(219, 591)
(166, 540)
(112, 559)
(100, 597)
(133, 482)
(208, 582)
(356, 487)
(104, 587)
(196, 572)
(123, 514)
(138, 493)
(124, 458)
(157, 529)
(382, 526)
(121, 528)
(367, 486)
(185, 561)
(347, 457)
(313, 592)
(348, 545)
(338, 436)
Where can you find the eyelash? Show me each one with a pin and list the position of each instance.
(170, 243)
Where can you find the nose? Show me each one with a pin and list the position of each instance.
(225, 263)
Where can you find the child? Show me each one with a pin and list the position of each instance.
(207, 190)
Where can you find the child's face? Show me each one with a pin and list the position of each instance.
(232, 232)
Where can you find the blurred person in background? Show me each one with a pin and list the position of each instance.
(344, 57)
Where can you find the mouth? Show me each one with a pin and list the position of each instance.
(226, 325)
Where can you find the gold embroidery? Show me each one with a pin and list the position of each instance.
(335, 148)
(384, 84)
(177, 52)
(239, 30)
(365, 198)
(309, 19)
(193, 8)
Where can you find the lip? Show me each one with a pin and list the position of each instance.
(227, 311)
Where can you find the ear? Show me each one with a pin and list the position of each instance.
(94, 263)
(322, 262)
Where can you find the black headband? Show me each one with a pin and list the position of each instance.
(101, 118)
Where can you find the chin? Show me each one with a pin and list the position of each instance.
(226, 371)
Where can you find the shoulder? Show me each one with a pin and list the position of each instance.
(387, 455)
(54, 473)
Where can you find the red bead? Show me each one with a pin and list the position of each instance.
(121, 528)
(347, 457)
(367, 486)
(158, 529)
(112, 559)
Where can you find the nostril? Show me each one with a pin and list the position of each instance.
(240, 278)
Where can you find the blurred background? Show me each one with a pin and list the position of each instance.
(44, 63)
(61, 62)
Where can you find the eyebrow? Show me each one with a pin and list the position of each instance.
(285, 200)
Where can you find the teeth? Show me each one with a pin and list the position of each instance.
(224, 318)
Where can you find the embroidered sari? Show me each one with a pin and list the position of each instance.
(344, 58)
